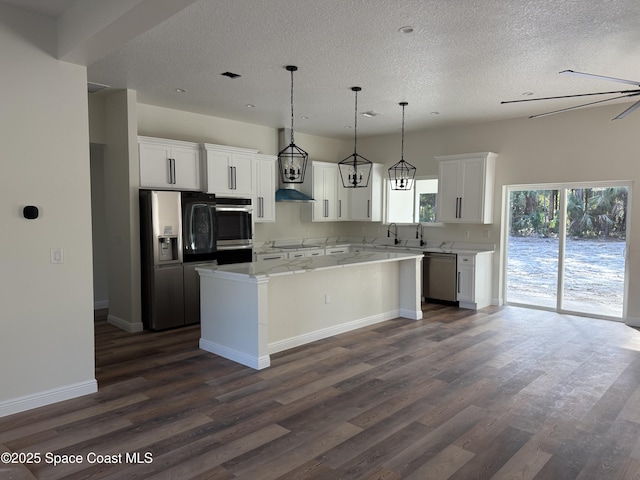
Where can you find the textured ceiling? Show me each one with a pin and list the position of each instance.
(462, 60)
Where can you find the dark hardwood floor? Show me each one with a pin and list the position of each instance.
(501, 393)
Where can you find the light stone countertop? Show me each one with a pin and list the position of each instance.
(383, 244)
(274, 268)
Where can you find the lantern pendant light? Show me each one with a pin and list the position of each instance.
(355, 170)
(402, 174)
(292, 160)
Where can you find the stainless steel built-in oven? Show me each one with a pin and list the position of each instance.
(198, 227)
(234, 220)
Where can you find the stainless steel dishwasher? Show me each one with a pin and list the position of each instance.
(439, 277)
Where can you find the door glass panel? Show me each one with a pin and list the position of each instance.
(533, 247)
(594, 257)
(201, 228)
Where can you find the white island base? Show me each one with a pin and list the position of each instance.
(251, 310)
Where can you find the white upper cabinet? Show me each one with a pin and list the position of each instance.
(366, 202)
(169, 164)
(321, 182)
(228, 170)
(465, 188)
(264, 209)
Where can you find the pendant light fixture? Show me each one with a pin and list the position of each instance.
(292, 160)
(355, 170)
(402, 174)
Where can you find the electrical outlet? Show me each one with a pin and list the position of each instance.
(327, 299)
(487, 233)
(466, 234)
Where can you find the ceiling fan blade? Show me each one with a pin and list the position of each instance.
(571, 96)
(601, 77)
(628, 110)
(578, 106)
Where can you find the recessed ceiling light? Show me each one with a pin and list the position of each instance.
(370, 114)
(406, 29)
(250, 105)
(304, 117)
(527, 94)
(435, 113)
(348, 126)
(181, 90)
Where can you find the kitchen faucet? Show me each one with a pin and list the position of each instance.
(395, 234)
(420, 234)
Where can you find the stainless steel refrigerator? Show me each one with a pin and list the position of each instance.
(161, 259)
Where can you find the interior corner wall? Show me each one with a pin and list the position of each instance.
(122, 178)
(99, 229)
(46, 327)
(581, 145)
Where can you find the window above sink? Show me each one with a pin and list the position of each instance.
(417, 205)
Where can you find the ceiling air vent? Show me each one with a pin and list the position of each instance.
(230, 75)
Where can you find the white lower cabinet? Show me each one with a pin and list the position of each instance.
(335, 250)
(271, 256)
(474, 280)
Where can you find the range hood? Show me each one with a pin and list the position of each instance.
(288, 191)
(290, 194)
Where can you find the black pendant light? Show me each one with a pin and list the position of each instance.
(292, 160)
(402, 174)
(355, 170)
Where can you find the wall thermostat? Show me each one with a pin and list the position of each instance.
(30, 212)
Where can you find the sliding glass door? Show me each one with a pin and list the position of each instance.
(566, 247)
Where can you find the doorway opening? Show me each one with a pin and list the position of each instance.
(566, 247)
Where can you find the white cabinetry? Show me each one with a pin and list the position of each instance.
(265, 174)
(169, 164)
(474, 280)
(322, 185)
(465, 188)
(336, 250)
(271, 256)
(228, 170)
(366, 203)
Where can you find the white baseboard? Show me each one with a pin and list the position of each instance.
(411, 314)
(100, 304)
(257, 363)
(48, 397)
(124, 325)
(293, 342)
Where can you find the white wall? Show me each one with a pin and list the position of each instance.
(46, 337)
(99, 229)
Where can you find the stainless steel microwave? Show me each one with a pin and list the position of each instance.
(234, 223)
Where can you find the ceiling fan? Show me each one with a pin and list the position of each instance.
(623, 94)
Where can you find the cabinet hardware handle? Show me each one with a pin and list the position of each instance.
(458, 282)
(339, 208)
(230, 182)
(235, 179)
(172, 171)
(460, 210)
(368, 208)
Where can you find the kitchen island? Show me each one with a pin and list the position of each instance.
(251, 310)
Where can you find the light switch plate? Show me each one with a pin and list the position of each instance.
(57, 255)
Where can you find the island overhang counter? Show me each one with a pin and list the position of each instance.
(252, 310)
